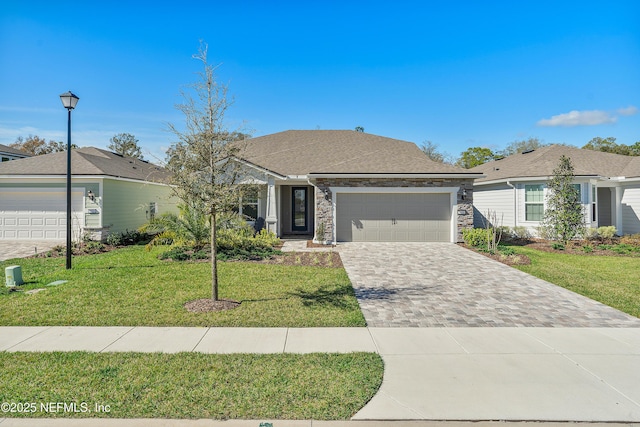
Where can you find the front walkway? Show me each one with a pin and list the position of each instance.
(443, 284)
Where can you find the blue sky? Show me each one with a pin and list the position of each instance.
(460, 74)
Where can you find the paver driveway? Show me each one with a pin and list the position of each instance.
(443, 284)
(23, 248)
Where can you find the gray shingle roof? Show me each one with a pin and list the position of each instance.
(11, 150)
(86, 161)
(301, 152)
(542, 162)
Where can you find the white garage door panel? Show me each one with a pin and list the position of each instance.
(37, 214)
(388, 217)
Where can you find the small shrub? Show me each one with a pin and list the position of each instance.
(505, 250)
(587, 249)
(520, 233)
(607, 232)
(201, 254)
(591, 233)
(544, 232)
(93, 246)
(475, 237)
(622, 249)
(267, 238)
(127, 238)
(176, 253)
(605, 247)
(557, 246)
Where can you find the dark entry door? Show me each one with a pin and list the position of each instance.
(300, 212)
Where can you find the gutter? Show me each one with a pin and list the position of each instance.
(396, 175)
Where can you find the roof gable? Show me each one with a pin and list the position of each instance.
(86, 161)
(302, 152)
(542, 162)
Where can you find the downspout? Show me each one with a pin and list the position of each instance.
(515, 203)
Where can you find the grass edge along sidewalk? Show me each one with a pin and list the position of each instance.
(188, 385)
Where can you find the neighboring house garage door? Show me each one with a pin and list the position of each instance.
(393, 217)
(37, 213)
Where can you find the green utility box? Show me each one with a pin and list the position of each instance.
(13, 274)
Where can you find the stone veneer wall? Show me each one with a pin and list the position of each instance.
(324, 197)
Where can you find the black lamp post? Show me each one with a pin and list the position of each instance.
(69, 100)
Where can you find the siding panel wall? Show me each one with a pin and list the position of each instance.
(496, 198)
(125, 204)
(631, 210)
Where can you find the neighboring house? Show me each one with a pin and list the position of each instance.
(516, 187)
(110, 193)
(8, 153)
(355, 186)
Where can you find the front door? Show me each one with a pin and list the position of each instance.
(299, 203)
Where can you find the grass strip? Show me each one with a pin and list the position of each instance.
(189, 385)
(611, 280)
(131, 287)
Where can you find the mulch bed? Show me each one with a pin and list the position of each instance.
(313, 259)
(310, 244)
(510, 260)
(206, 305)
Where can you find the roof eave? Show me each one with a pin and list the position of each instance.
(395, 175)
(532, 178)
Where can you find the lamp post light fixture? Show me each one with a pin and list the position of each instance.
(69, 101)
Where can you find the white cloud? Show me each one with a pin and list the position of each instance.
(629, 111)
(579, 118)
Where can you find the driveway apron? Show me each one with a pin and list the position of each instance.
(445, 285)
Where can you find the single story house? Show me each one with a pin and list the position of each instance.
(9, 153)
(516, 187)
(110, 193)
(343, 185)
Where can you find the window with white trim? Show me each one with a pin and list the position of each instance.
(534, 202)
(248, 206)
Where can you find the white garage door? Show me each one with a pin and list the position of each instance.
(38, 213)
(393, 217)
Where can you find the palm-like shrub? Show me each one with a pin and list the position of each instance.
(189, 228)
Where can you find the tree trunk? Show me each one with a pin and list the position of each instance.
(214, 261)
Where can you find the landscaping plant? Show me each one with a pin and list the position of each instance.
(201, 162)
(563, 216)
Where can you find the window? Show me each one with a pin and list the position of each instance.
(594, 206)
(534, 202)
(578, 188)
(153, 210)
(248, 207)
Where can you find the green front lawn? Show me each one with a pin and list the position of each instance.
(131, 287)
(611, 280)
(188, 385)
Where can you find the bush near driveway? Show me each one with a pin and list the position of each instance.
(132, 287)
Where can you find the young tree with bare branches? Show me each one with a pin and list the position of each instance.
(205, 174)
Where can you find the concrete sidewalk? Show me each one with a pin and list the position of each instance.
(513, 374)
(99, 422)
